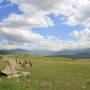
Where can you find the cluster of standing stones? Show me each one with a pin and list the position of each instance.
(12, 67)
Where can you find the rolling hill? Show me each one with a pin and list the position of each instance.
(72, 53)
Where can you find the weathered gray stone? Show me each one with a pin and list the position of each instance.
(11, 69)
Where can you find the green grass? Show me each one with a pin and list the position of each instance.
(51, 73)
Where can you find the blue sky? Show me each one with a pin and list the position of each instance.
(6, 10)
(60, 30)
(66, 24)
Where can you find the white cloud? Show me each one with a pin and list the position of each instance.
(83, 34)
(77, 10)
(15, 31)
(83, 38)
(19, 36)
(36, 12)
(14, 38)
(26, 21)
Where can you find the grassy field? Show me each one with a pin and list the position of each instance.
(51, 73)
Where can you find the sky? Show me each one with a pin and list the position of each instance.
(52, 25)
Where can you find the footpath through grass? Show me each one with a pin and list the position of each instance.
(51, 73)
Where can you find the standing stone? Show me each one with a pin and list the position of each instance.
(11, 69)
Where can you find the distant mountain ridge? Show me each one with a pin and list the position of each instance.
(13, 51)
(24, 51)
(74, 53)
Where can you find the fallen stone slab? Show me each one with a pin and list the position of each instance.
(14, 74)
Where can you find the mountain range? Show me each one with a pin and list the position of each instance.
(74, 53)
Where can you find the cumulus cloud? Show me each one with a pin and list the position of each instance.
(29, 40)
(26, 21)
(36, 12)
(83, 38)
(19, 36)
(83, 35)
(77, 10)
(14, 38)
(16, 30)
